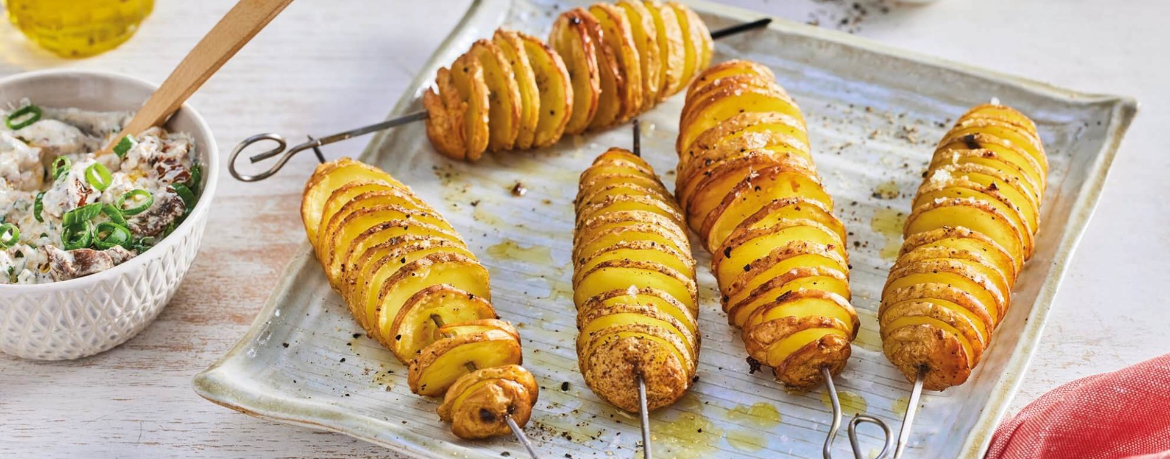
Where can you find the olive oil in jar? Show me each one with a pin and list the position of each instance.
(78, 28)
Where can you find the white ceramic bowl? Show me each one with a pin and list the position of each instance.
(91, 314)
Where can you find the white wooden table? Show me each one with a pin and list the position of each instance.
(325, 66)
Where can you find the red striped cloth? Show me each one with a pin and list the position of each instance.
(1124, 414)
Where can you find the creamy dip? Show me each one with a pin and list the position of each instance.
(67, 212)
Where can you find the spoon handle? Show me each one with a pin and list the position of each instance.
(220, 44)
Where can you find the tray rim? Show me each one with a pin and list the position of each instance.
(210, 384)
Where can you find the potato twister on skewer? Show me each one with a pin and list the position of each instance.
(747, 183)
(634, 285)
(973, 225)
(602, 66)
(413, 285)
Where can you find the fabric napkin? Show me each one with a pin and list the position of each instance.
(1123, 414)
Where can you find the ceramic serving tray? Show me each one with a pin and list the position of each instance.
(874, 114)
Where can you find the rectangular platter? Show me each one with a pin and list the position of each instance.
(874, 114)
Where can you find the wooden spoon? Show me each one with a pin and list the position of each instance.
(220, 44)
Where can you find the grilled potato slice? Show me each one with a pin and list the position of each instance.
(477, 403)
(510, 43)
(732, 68)
(443, 362)
(671, 48)
(993, 195)
(416, 324)
(756, 192)
(341, 207)
(603, 276)
(974, 215)
(696, 41)
(368, 269)
(970, 260)
(1026, 177)
(326, 179)
(352, 223)
(745, 246)
(964, 239)
(728, 102)
(504, 95)
(643, 250)
(618, 36)
(452, 269)
(1000, 149)
(470, 81)
(446, 111)
(475, 326)
(645, 297)
(973, 226)
(346, 193)
(738, 179)
(611, 101)
(629, 227)
(1014, 193)
(599, 319)
(976, 282)
(645, 35)
(774, 264)
(773, 132)
(617, 203)
(753, 213)
(573, 37)
(554, 88)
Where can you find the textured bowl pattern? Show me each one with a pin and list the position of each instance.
(77, 322)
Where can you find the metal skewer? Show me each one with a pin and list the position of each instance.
(726, 31)
(643, 406)
(516, 430)
(285, 155)
(644, 413)
(911, 409)
(853, 423)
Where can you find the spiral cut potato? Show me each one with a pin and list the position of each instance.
(634, 285)
(602, 66)
(413, 285)
(747, 184)
(973, 224)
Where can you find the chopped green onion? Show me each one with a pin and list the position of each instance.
(61, 166)
(124, 146)
(184, 193)
(98, 176)
(142, 244)
(39, 207)
(142, 197)
(9, 235)
(109, 234)
(114, 213)
(81, 214)
(78, 236)
(196, 180)
(33, 113)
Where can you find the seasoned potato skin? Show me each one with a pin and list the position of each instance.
(411, 282)
(639, 322)
(974, 223)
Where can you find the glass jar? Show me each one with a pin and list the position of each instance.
(78, 28)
